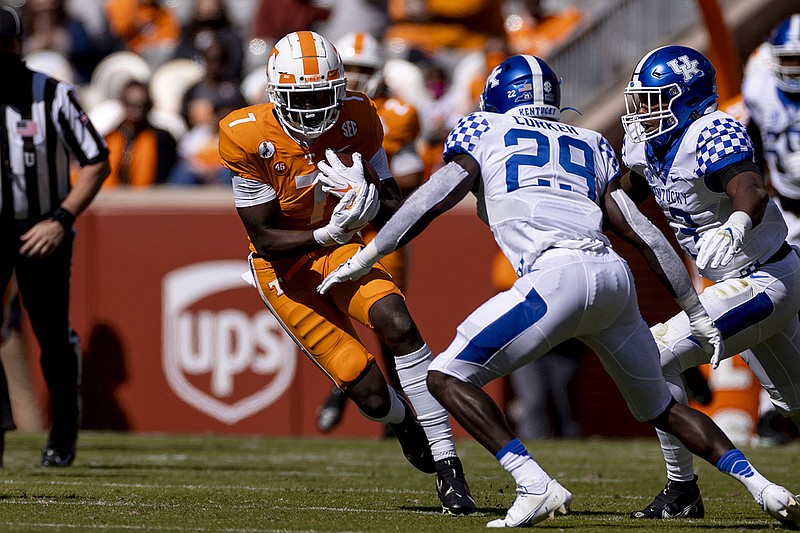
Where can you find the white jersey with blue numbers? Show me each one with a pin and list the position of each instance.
(778, 118)
(541, 182)
(692, 203)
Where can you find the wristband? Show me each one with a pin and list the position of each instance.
(63, 217)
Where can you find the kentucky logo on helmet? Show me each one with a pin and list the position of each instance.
(683, 65)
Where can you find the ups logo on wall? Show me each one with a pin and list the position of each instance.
(221, 360)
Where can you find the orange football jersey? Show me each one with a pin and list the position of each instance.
(400, 123)
(253, 145)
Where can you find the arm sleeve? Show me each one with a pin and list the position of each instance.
(417, 205)
(668, 259)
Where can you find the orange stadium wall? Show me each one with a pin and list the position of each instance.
(174, 340)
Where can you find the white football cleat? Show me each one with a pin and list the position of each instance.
(781, 505)
(529, 509)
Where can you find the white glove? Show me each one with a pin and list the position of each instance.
(354, 211)
(337, 178)
(791, 165)
(352, 269)
(717, 247)
(703, 328)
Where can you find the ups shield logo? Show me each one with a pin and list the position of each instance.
(223, 353)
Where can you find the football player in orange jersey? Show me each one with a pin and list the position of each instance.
(363, 59)
(299, 234)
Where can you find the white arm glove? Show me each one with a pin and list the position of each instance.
(352, 269)
(716, 248)
(703, 328)
(337, 178)
(354, 210)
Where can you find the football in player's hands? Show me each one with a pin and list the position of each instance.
(340, 172)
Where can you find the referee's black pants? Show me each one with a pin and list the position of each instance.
(44, 286)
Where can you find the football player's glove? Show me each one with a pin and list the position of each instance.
(716, 248)
(337, 178)
(703, 328)
(354, 211)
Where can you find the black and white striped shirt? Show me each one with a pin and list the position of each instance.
(42, 126)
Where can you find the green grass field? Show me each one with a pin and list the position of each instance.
(207, 483)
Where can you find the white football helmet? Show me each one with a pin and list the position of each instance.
(785, 47)
(305, 81)
(363, 60)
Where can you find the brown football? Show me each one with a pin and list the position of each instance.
(370, 174)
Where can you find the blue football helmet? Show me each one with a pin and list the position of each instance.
(784, 44)
(670, 88)
(523, 80)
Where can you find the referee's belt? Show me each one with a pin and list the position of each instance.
(780, 255)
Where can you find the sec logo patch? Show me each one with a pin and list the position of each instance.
(280, 167)
(349, 128)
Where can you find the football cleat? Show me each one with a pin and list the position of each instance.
(452, 488)
(413, 440)
(330, 413)
(57, 458)
(781, 505)
(530, 509)
(678, 499)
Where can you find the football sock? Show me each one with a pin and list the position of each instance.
(736, 465)
(680, 465)
(525, 471)
(413, 372)
(680, 461)
(397, 411)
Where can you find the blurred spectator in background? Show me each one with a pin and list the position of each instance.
(533, 30)
(356, 16)
(363, 58)
(199, 100)
(146, 27)
(209, 23)
(49, 27)
(140, 153)
(438, 116)
(275, 18)
(198, 151)
(443, 29)
(544, 402)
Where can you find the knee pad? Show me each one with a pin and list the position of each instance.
(334, 350)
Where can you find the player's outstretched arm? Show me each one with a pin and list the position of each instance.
(632, 226)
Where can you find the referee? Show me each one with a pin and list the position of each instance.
(42, 127)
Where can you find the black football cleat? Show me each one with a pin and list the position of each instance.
(452, 488)
(413, 441)
(330, 413)
(678, 499)
(57, 458)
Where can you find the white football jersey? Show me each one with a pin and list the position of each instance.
(778, 118)
(541, 182)
(691, 203)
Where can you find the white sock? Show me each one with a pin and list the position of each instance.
(397, 411)
(525, 471)
(680, 462)
(413, 372)
(736, 465)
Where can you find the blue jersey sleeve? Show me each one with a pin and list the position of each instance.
(464, 137)
(722, 143)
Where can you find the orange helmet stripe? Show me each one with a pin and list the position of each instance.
(358, 44)
(308, 49)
